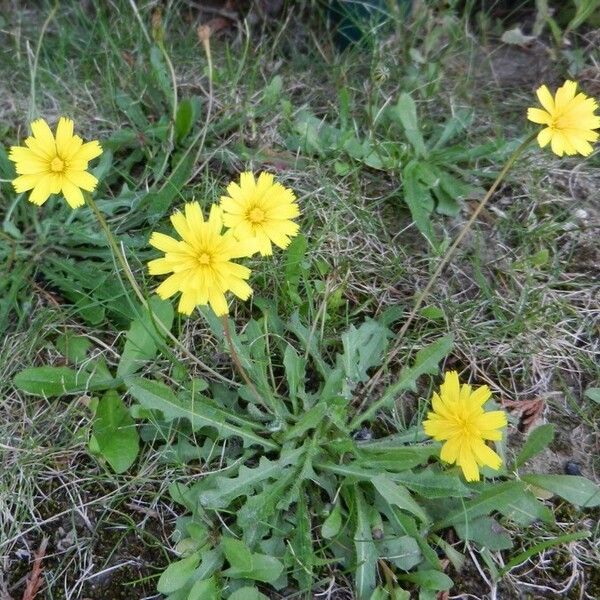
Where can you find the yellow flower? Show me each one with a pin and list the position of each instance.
(459, 419)
(569, 118)
(200, 262)
(48, 166)
(261, 209)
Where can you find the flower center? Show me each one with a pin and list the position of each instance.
(204, 258)
(57, 165)
(256, 216)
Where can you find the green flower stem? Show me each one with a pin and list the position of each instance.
(444, 262)
(119, 254)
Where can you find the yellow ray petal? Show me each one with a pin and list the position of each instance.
(64, 135)
(72, 194)
(41, 132)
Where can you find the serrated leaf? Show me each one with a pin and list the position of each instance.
(365, 576)
(60, 381)
(537, 440)
(157, 396)
(309, 420)
(144, 335)
(226, 489)
(259, 507)
(177, 574)
(573, 488)
(363, 349)
(115, 435)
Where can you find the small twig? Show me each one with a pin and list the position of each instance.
(34, 583)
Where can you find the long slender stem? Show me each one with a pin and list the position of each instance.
(238, 364)
(120, 256)
(444, 262)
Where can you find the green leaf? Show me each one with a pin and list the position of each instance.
(384, 594)
(187, 113)
(226, 489)
(248, 593)
(264, 568)
(426, 362)
(498, 497)
(419, 201)
(399, 496)
(366, 553)
(159, 70)
(525, 509)
(405, 111)
(157, 396)
(309, 420)
(537, 440)
(486, 532)
(403, 551)
(237, 553)
(395, 459)
(574, 489)
(333, 523)
(73, 347)
(115, 435)
(177, 574)
(205, 589)
(293, 266)
(429, 579)
(593, 394)
(302, 546)
(144, 335)
(363, 349)
(295, 371)
(60, 381)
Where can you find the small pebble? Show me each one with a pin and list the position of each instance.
(363, 435)
(572, 468)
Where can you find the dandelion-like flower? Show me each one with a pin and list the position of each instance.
(570, 120)
(262, 209)
(201, 262)
(458, 419)
(47, 165)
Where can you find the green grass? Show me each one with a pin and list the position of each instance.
(520, 296)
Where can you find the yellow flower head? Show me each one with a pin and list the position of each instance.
(261, 209)
(569, 118)
(48, 165)
(200, 262)
(458, 419)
